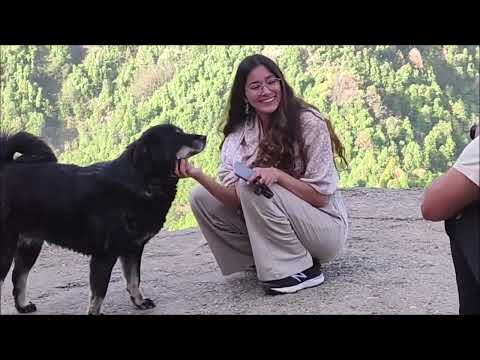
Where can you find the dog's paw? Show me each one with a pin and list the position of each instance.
(145, 304)
(29, 308)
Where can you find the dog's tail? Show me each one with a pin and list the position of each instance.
(31, 149)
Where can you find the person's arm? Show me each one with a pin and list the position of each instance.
(455, 189)
(319, 165)
(226, 194)
(303, 190)
(447, 195)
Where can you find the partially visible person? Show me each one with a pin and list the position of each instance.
(455, 198)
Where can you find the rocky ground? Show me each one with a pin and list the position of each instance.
(394, 263)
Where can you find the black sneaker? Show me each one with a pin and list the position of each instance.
(309, 278)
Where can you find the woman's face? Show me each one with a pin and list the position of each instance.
(263, 90)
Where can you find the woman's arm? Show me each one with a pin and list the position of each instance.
(303, 190)
(319, 165)
(226, 194)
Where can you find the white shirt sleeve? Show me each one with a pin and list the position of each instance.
(468, 163)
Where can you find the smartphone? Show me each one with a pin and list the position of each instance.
(242, 171)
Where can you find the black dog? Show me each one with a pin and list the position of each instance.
(108, 210)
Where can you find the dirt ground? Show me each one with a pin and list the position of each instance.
(393, 263)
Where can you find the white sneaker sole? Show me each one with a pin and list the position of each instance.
(304, 285)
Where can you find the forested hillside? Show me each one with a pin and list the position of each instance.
(402, 112)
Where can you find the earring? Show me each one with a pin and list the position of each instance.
(247, 108)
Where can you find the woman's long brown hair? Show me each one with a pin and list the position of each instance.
(283, 140)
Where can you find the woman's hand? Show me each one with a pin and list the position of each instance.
(303, 190)
(185, 170)
(267, 176)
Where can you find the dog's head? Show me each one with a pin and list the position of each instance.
(159, 148)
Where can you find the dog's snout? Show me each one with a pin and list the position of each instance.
(200, 142)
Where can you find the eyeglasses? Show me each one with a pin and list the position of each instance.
(271, 84)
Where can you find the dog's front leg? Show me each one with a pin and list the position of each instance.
(100, 272)
(131, 271)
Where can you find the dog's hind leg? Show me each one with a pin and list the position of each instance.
(8, 243)
(100, 272)
(131, 271)
(25, 257)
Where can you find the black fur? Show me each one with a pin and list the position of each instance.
(107, 210)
